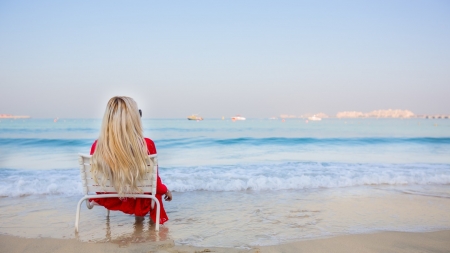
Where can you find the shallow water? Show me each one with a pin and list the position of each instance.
(239, 219)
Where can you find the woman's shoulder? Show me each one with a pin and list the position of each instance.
(149, 141)
(94, 145)
(150, 145)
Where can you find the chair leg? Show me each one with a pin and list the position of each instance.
(157, 215)
(77, 215)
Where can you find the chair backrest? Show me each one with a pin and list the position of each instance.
(148, 184)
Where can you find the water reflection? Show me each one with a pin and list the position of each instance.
(120, 232)
(238, 219)
(143, 231)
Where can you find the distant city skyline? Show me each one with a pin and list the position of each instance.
(254, 58)
(344, 114)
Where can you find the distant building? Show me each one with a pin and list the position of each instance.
(286, 116)
(319, 115)
(322, 115)
(9, 116)
(349, 114)
(377, 114)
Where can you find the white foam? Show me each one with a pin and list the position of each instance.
(303, 176)
(289, 176)
(16, 183)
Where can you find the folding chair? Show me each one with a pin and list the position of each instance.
(90, 187)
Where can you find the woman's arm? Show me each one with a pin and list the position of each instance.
(168, 196)
(160, 187)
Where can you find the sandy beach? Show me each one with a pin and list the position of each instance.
(47, 229)
(397, 242)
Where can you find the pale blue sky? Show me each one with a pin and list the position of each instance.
(221, 58)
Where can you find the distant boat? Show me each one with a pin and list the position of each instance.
(314, 118)
(237, 117)
(194, 117)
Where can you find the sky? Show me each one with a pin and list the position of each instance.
(221, 58)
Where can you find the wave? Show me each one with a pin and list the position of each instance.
(253, 177)
(16, 183)
(42, 143)
(208, 142)
(285, 141)
(301, 175)
(294, 141)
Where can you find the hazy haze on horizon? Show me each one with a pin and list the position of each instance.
(254, 58)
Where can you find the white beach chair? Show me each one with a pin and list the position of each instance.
(90, 187)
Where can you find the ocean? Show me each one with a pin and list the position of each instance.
(239, 184)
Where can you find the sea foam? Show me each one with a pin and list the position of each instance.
(251, 177)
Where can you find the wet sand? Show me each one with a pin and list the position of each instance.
(397, 242)
(338, 220)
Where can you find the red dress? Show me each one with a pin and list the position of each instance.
(138, 207)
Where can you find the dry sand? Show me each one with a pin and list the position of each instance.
(397, 242)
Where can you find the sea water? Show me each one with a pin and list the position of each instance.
(240, 184)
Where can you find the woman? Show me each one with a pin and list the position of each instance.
(121, 151)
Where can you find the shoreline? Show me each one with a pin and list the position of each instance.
(400, 242)
(201, 219)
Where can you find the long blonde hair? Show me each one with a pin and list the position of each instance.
(121, 151)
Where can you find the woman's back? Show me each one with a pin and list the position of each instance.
(121, 150)
(120, 153)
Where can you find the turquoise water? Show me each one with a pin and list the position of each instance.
(265, 154)
(239, 184)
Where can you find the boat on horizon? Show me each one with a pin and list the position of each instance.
(237, 117)
(314, 118)
(194, 117)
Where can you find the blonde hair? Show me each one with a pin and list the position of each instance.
(121, 151)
